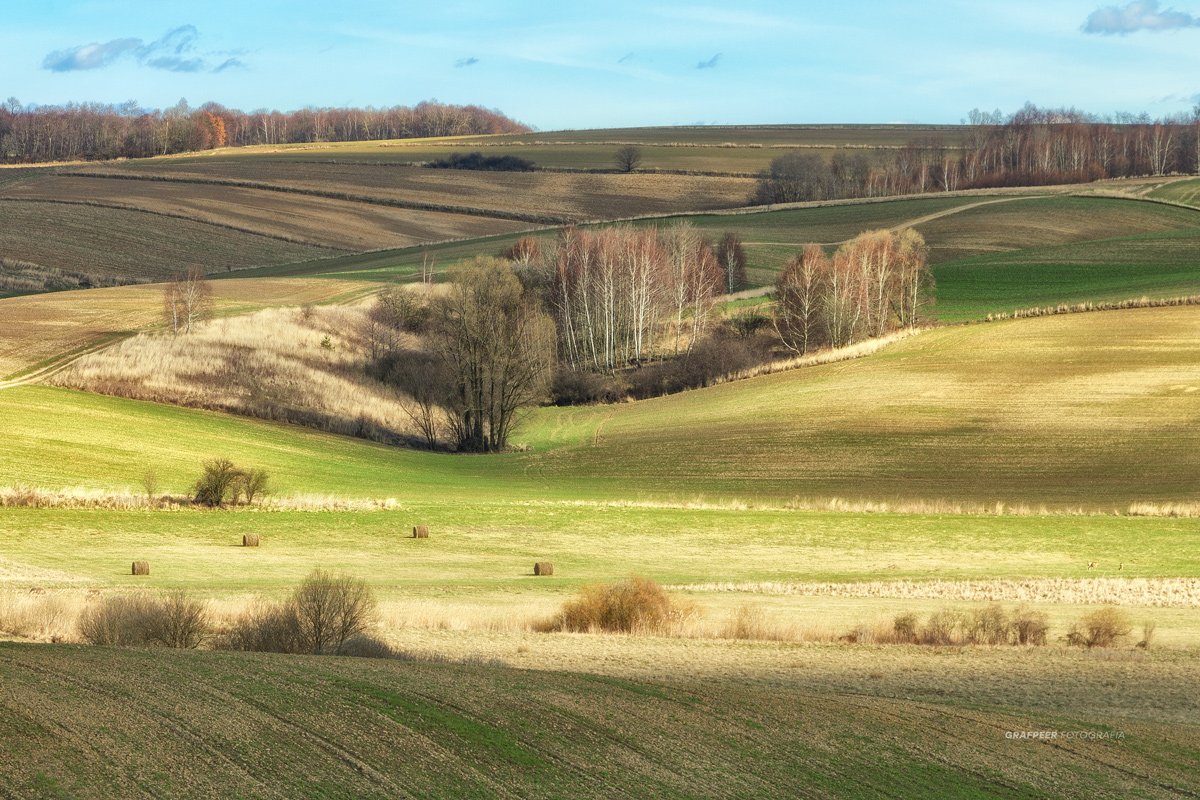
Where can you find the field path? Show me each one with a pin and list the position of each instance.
(60, 363)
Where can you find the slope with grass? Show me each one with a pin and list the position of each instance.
(298, 727)
(318, 221)
(990, 253)
(1086, 409)
(536, 195)
(40, 330)
(743, 149)
(1186, 192)
(135, 244)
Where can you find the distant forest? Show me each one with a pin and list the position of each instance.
(1032, 147)
(92, 131)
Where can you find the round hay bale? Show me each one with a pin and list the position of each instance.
(141, 568)
(543, 568)
(420, 532)
(250, 540)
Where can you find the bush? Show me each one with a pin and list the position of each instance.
(905, 628)
(942, 628)
(1029, 627)
(364, 646)
(478, 160)
(987, 626)
(254, 483)
(268, 628)
(320, 617)
(401, 310)
(713, 358)
(571, 388)
(173, 620)
(1102, 628)
(218, 482)
(633, 605)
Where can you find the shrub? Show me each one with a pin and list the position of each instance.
(363, 646)
(321, 615)
(1148, 628)
(401, 310)
(267, 628)
(571, 388)
(254, 483)
(173, 620)
(987, 625)
(629, 606)
(1102, 628)
(942, 628)
(218, 482)
(1029, 627)
(479, 161)
(905, 628)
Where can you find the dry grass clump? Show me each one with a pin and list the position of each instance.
(1105, 627)
(304, 366)
(634, 605)
(170, 620)
(749, 623)
(320, 617)
(36, 614)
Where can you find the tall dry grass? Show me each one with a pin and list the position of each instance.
(1151, 592)
(299, 365)
(129, 500)
(1082, 308)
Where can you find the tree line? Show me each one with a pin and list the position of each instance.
(95, 131)
(1033, 146)
(876, 283)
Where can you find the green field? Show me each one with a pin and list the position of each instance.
(989, 254)
(81, 722)
(1092, 409)
(1185, 191)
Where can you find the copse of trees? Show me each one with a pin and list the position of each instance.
(92, 131)
(614, 288)
(875, 283)
(1034, 146)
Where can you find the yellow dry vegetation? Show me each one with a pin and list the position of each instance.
(38, 328)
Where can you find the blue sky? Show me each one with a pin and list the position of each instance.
(563, 64)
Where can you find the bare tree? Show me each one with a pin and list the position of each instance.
(187, 300)
(731, 255)
(798, 319)
(499, 350)
(628, 158)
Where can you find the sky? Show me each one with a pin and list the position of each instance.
(557, 65)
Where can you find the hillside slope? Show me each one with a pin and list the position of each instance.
(100, 722)
(1094, 409)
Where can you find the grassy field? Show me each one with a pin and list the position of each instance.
(989, 253)
(1185, 191)
(1092, 409)
(37, 329)
(136, 244)
(296, 727)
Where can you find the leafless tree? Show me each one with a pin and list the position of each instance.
(187, 300)
(731, 256)
(798, 291)
(499, 350)
(628, 158)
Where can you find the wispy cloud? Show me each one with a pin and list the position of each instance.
(1139, 15)
(466, 62)
(710, 63)
(174, 51)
